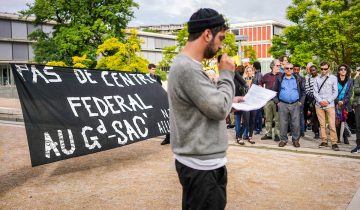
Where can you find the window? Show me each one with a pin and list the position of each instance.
(19, 30)
(5, 31)
(20, 51)
(5, 51)
(31, 53)
(277, 30)
(235, 31)
(158, 43)
(31, 28)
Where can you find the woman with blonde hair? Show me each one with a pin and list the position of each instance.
(249, 77)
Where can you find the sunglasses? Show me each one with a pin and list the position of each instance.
(277, 65)
(342, 69)
(324, 69)
(287, 68)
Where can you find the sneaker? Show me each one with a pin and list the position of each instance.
(282, 144)
(356, 150)
(277, 138)
(317, 136)
(335, 147)
(302, 134)
(296, 144)
(323, 144)
(230, 126)
(266, 137)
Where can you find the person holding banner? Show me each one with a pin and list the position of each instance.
(152, 69)
(198, 110)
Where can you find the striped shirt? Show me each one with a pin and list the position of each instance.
(309, 86)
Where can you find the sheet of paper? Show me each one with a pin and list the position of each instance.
(255, 99)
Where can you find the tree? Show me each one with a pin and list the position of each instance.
(250, 53)
(122, 56)
(80, 26)
(324, 30)
(229, 47)
(171, 51)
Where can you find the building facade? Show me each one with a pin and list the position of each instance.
(162, 29)
(16, 47)
(153, 45)
(259, 35)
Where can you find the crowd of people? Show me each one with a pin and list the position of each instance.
(199, 104)
(318, 101)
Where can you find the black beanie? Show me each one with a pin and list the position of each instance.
(204, 18)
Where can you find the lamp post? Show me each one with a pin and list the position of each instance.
(240, 38)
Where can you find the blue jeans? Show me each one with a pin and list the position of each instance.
(238, 123)
(258, 121)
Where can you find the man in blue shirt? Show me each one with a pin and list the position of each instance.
(290, 96)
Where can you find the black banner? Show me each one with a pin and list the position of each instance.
(72, 112)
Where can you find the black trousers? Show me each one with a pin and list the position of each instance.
(202, 189)
(314, 119)
(357, 118)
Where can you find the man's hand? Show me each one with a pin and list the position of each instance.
(238, 99)
(323, 103)
(226, 63)
(340, 103)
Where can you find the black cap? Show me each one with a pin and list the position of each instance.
(204, 18)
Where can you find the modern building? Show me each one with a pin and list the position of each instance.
(15, 46)
(259, 35)
(153, 45)
(162, 29)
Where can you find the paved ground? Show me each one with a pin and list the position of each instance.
(142, 176)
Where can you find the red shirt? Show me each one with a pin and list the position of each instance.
(269, 80)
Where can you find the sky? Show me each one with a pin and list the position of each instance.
(156, 12)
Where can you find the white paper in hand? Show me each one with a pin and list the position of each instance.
(255, 98)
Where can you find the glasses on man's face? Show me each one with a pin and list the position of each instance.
(288, 68)
(312, 69)
(277, 65)
(324, 69)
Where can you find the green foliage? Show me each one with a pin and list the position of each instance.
(81, 62)
(250, 53)
(81, 25)
(122, 56)
(171, 51)
(161, 74)
(278, 47)
(229, 46)
(168, 55)
(326, 30)
(56, 63)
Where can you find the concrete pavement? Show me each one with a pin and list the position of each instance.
(10, 110)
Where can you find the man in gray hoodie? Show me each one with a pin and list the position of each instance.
(198, 109)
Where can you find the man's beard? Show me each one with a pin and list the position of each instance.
(209, 51)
